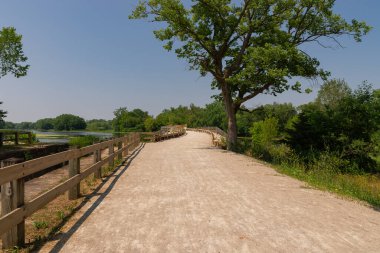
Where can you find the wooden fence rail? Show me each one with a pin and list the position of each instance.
(16, 135)
(166, 132)
(15, 209)
(217, 135)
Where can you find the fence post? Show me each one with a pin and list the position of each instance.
(12, 197)
(97, 158)
(17, 138)
(1, 139)
(137, 140)
(110, 152)
(119, 146)
(74, 169)
(125, 143)
(30, 138)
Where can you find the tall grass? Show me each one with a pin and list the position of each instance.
(364, 187)
(324, 171)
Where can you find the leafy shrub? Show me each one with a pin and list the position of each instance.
(281, 153)
(264, 133)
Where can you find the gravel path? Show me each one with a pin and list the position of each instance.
(182, 195)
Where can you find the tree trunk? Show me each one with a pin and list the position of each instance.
(232, 130)
(231, 115)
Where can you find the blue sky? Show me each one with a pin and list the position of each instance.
(87, 58)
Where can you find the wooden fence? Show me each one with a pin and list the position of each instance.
(15, 209)
(166, 132)
(218, 136)
(16, 135)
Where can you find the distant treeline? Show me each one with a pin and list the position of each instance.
(63, 122)
(341, 124)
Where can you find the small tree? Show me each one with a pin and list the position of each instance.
(11, 56)
(251, 46)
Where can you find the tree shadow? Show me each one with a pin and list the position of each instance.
(63, 238)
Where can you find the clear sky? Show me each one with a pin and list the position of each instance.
(87, 58)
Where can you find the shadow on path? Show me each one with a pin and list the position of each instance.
(125, 165)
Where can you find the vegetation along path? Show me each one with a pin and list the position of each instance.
(183, 195)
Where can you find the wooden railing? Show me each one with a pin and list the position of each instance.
(166, 132)
(14, 207)
(16, 134)
(218, 136)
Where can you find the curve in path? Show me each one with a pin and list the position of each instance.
(182, 195)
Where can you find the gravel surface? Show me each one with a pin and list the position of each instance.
(182, 195)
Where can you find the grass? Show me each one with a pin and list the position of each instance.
(324, 176)
(361, 187)
(40, 224)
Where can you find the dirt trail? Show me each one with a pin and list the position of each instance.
(181, 195)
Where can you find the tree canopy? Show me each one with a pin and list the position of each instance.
(12, 57)
(69, 122)
(251, 46)
(128, 121)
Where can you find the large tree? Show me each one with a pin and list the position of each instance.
(249, 46)
(69, 122)
(12, 57)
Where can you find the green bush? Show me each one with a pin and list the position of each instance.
(281, 153)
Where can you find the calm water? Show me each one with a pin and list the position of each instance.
(64, 135)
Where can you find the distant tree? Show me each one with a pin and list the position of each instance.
(249, 47)
(69, 122)
(2, 116)
(99, 125)
(44, 124)
(332, 92)
(129, 121)
(25, 125)
(150, 124)
(174, 116)
(9, 125)
(11, 57)
(215, 115)
(282, 112)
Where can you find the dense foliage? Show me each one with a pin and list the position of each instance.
(129, 121)
(69, 122)
(341, 127)
(44, 124)
(99, 125)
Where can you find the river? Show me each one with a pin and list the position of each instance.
(63, 137)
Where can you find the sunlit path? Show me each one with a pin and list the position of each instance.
(182, 195)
